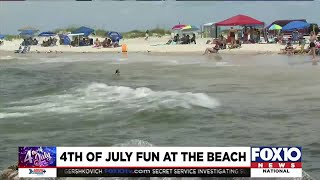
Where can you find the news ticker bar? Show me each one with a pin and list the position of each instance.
(154, 172)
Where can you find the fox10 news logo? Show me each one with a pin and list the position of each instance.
(33, 157)
(276, 162)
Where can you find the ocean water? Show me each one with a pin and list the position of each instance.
(162, 100)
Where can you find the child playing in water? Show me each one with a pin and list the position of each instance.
(117, 72)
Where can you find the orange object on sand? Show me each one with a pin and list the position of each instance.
(124, 48)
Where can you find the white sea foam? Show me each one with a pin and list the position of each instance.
(6, 57)
(11, 58)
(99, 97)
(11, 115)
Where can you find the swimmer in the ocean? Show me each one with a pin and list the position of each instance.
(117, 72)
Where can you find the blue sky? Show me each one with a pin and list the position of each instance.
(125, 16)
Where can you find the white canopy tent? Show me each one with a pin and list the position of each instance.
(209, 30)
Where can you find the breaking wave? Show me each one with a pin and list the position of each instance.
(9, 115)
(99, 97)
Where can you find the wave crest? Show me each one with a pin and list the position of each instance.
(99, 97)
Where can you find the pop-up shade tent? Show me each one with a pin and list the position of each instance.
(27, 33)
(28, 28)
(239, 20)
(2, 36)
(85, 30)
(295, 25)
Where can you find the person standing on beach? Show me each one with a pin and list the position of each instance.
(147, 35)
(312, 46)
(232, 35)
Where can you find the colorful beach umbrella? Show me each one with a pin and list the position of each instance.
(275, 27)
(179, 26)
(190, 28)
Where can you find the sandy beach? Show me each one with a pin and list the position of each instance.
(152, 45)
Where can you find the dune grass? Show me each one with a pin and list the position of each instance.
(152, 32)
(11, 37)
(102, 33)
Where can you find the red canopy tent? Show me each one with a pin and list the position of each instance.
(239, 20)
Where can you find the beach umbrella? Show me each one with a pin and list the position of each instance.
(295, 25)
(190, 28)
(275, 27)
(2, 36)
(114, 35)
(179, 26)
(46, 34)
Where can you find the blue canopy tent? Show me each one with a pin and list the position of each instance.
(85, 30)
(114, 36)
(28, 28)
(46, 34)
(295, 25)
(2, 36)
(27, 33)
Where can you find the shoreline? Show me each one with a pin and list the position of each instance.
(151, 46)
(169, 53)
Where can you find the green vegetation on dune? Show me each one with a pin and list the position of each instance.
(159, 31)
(68, 29)
(102, 33)
(11, 37)
(133, 34)
(152, 32)
(130, 34)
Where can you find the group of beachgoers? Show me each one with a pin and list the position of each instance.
(221, 42)
(26, 44)
(49, 42)
(106, 43)
(185, 39)
(253, 35)
(313, 48)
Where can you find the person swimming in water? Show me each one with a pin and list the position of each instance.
(117, 72)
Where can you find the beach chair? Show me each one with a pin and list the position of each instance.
(300, 49)
(26, 49)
